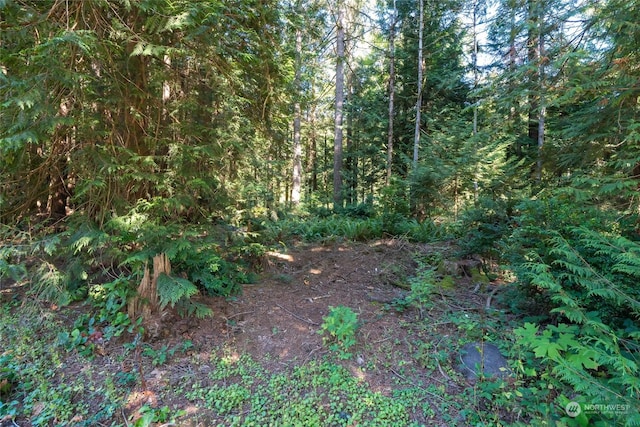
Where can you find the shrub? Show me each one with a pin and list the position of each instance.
(360, 210)
(585, 344)
(341, 324)
(483, 226)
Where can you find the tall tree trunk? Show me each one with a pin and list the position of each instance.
(339, 105)
(297, 145)
(349, 146)
(392, 91)
(313, 151)
(533, 56)
(513, 113)
(542, 112)
(474, 56)
(416, 136)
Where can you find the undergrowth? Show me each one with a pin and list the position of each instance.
(240, 392)
(353, 229)
(339, 329)
(37, 389)
(572, 335)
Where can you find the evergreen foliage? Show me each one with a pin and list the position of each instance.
(578, 284)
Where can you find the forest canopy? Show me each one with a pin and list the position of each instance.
(204, 107)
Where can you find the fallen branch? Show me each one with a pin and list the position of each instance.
(237, 314)
(309, 355)
(491, 295)
(309, 321)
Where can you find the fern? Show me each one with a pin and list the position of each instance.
(187, 307)
(590, 277)
(48, 284)
(171, 290)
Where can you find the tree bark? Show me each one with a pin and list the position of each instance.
(533, 56)
(313, 150)
(542, 112)
(513, 113)
(297, 145)
(416, 136)
(474, 56)
(339, 106)
(392, 88)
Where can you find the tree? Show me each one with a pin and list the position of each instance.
(392, 90)
(85, 127)
(338, 195)
(297, 144)
(416, 135)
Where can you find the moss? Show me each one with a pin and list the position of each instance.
(479, 277)
(447, 282)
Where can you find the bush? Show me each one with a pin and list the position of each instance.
(361, 210)
(483, 226)
(341, 324)
(585, 344)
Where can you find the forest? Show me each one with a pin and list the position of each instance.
(296, 212)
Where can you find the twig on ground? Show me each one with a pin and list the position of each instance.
(491, 295)
(124, 417)
(238, 314)
(336, 277)
(309, 321)
(313, 299)
(310, 353)
(442, 372)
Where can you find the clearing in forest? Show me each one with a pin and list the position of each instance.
(261, 360)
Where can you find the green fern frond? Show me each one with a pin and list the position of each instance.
(187, 308)
(88, 239)
(49, 245)
(48, 284)
(179, 246)
(173, 289)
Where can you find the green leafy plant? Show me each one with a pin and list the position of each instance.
(43, 392)
(584, 282)
(483, 226)
(8, 374)
(341, 325)
(149, 415)
(163, 354)
(11, 265)
(241, 392)
(205, 267)
(108, 320)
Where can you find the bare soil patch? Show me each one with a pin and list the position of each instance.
(276, 322)
(281, 314)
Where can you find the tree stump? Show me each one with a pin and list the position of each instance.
(145, 304)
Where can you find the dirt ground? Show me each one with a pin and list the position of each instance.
(281, 314)
(276, 321)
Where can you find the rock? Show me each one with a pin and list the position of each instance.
(485, 358)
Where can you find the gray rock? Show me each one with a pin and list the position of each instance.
(476, 358)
